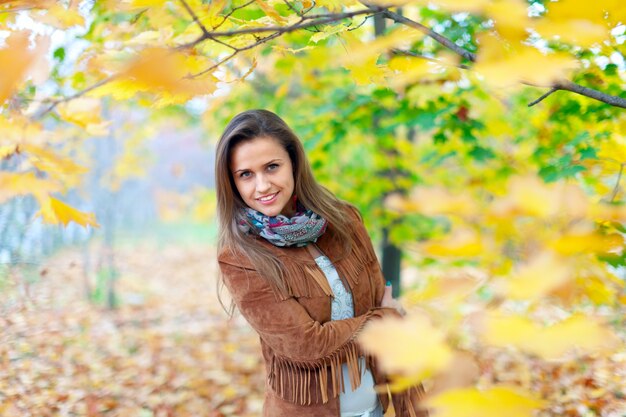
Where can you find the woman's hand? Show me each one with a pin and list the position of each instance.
(389, 301)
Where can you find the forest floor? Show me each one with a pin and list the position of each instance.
(169, 349)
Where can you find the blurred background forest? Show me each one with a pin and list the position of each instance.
(484, 142)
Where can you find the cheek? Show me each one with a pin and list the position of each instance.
(243, 188)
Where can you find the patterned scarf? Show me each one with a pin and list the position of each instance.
(303, 227)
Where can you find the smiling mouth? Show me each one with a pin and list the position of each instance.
(268, 198)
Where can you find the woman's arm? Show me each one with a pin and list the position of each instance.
(284, 324)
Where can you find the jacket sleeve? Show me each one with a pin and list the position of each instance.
(284, 324)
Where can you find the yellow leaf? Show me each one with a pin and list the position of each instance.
(13, 184)
(58, 167)
(81, 111)
(586, 243)
(593, 11)
(161, 70)
(613, 149)
(501, 65)
(17, 59)
(328, 31)
(55, 211)
(579, 32)
(510, 18)
(541, 275)
(147, 3)
(359, 51)
(577, 333)
(459, 243)
(270, 11)
(434, 201)
(364, 73)
(494, 402)
(409, 70)
(395, 342)
(61, 17)
(530, 196)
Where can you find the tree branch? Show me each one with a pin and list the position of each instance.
(431, 33)
(559, 85)
(194, 17)
(552, 90)
(42, 112)
(305, 22)
(589, 92)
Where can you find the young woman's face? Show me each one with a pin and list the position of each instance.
(263, 175)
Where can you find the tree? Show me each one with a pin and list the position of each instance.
(504, 119)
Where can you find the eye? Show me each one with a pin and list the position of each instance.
(272, 167)
(244, 174)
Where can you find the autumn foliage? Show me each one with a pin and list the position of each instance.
(486, 138)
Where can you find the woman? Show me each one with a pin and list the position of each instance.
(301, 268)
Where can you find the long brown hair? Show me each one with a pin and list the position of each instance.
(247, 126)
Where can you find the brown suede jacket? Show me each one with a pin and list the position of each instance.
(302, 348)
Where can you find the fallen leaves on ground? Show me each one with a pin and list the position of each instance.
(170, 350)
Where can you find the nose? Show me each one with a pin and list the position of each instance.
(262, 184)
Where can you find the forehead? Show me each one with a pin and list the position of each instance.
(256, 152)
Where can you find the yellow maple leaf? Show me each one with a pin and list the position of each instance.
(432, 201)
(394, 342)
(61, 17)
(17, 59)
(170, 73)
(55, 211)
(542, 274)
(14, 184)
(61, 168)
(147, 3)
(579, 31)
(570, 244)
(510, 18)
(462, 242)
(503, 65)
(613, 149)
(365, 73)
(270, 11)
(493, 402)
(577, 333)
(359, 51)
(81, 111)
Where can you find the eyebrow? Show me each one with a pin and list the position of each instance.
(266, 164)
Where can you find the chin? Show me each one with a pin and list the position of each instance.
(269, 211)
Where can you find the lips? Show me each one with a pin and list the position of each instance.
(268, 199)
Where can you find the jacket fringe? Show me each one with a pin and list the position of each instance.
(407, 403)
(297, 375)
(306, 279)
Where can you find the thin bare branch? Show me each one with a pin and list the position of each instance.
(42, 112)
(229, 14)
(552, 90)
(194, 17)
(416, 55)
(305, 22)
(431, 33)
(231, 56)
(561, 85)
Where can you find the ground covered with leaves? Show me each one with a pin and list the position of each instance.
(169, 350)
